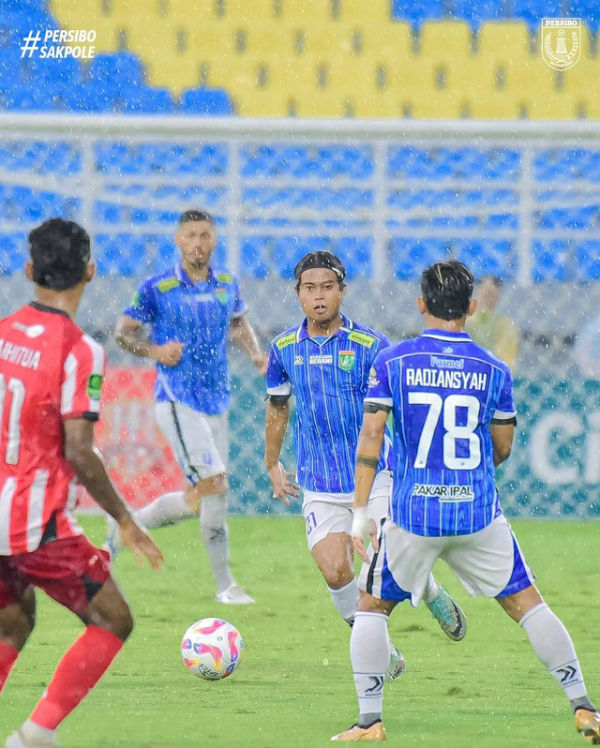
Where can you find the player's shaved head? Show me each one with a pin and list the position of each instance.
(447, 288)
(60, 252)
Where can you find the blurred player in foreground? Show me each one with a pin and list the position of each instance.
(454, 420)
(496, 332)
(192, 309)
(50, 378)
(325, 363)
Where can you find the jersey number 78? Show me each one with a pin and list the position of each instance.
(447, 407)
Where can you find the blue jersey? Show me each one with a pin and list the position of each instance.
(197, 314)
(444, 391)
(329, 380)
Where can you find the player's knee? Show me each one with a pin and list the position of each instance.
(213, 512)
(122, 624)
(337, 576)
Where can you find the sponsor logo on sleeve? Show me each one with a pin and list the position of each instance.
(373, 381)
(94, 386)
(222, 295)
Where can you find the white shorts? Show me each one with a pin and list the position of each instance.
(198, 441)
(328, 513)
(488, 563)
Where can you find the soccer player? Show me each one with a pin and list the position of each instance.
(192, 309)
(50, 377)
(325, 362)
(454, 420)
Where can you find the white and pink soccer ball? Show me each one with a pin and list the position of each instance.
(212, 648)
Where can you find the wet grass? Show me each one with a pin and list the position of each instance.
(294, 688)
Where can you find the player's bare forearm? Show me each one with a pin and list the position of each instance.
(370, 441)
(131, 337)
(90, 470)
(243, 335)
(275, 427)
(502, 440)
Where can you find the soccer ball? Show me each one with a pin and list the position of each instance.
(212, 648)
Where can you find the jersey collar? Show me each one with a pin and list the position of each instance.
(455, 337)
(302, 334)
(183, 277)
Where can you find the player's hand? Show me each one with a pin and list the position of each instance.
(363, 526)
(260, 361)
(169, 353)
(283, 485)
(140, 543)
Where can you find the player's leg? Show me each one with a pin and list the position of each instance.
(17, 618)
(77, 575)
(213, 523)
(492, 564)
(442, 607)
(369, 642)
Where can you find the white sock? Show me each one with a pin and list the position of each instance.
(34, 733)
(553, 646)
(345, 600)
(213, 524)
(370, 656)
(165, 510)
(432, 590)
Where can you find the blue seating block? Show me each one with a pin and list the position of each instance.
(207, 101)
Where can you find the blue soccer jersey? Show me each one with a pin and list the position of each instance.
(197, 314)
(329, 379)
(444, 391)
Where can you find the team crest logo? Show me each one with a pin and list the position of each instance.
(561, 42)
(347, 360)
(221, 294)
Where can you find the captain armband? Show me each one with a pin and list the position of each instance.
(505, 421)
(279, 399)
(370, 462)
(370, 407)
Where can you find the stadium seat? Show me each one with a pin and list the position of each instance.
(177, 73)
(306, 11)
(145, 99)
(551, 260)
(209, 101)
(409, 256)
(357, 255)
(122, 66)
(255, 256)
(252, 13)
(587, 260)
(418, 13)
(358, 12)
(86, 14)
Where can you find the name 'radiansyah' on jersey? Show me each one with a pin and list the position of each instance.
(444, 391)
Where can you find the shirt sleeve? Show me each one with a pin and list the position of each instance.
(379, 389)
(143, 304)
(83, 371)
(505, 407)
(239, 305)
(278, 382)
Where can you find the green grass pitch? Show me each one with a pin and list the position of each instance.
(294, 687)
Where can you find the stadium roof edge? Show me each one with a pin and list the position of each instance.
(338, 129)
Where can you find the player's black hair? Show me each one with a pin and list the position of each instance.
(447, 288)
(196, 215)
(60, 252)
(320, 259)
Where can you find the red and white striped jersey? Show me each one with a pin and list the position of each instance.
(49, 372)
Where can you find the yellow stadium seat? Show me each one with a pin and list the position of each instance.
(175, 72)
(377, 103)
(149, 39)
(252, 12)
(386, 43)
(319, 103)
(436, 104)
(363, 11)
(306, 11)
(195, 13)
(583, 82)
(268, 40)
(504, 41)
(87, 14)
(445, 40)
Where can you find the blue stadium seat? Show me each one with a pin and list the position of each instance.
(357, 255)
(89, 99)
(123, 68)
(587, 260)
(28, 98)
(487, 257)
(552, 260)
(144, 99)
(587, 10)
(288, 250)
(418, 12)
(409, 256)
(254, 256)
(13, 252)
(208, 101)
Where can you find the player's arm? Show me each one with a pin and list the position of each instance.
(130, 335)
(370, 441)
(242, 334)
(278, 414)
(502, 433)
(79, 451)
